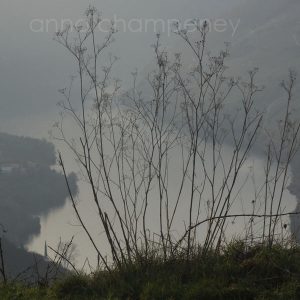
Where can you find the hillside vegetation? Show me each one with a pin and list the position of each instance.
(237, 272)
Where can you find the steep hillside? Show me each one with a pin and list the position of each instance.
(30, 188)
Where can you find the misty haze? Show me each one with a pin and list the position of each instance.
(150, 149)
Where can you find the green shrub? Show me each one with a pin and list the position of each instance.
(73, 287)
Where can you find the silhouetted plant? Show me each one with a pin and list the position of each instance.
(128, 144)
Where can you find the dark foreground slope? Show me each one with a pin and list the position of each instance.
(21, 265)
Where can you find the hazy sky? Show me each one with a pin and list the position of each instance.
(33, 67)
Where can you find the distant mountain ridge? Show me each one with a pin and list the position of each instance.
(16, 149)
(28, 267)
